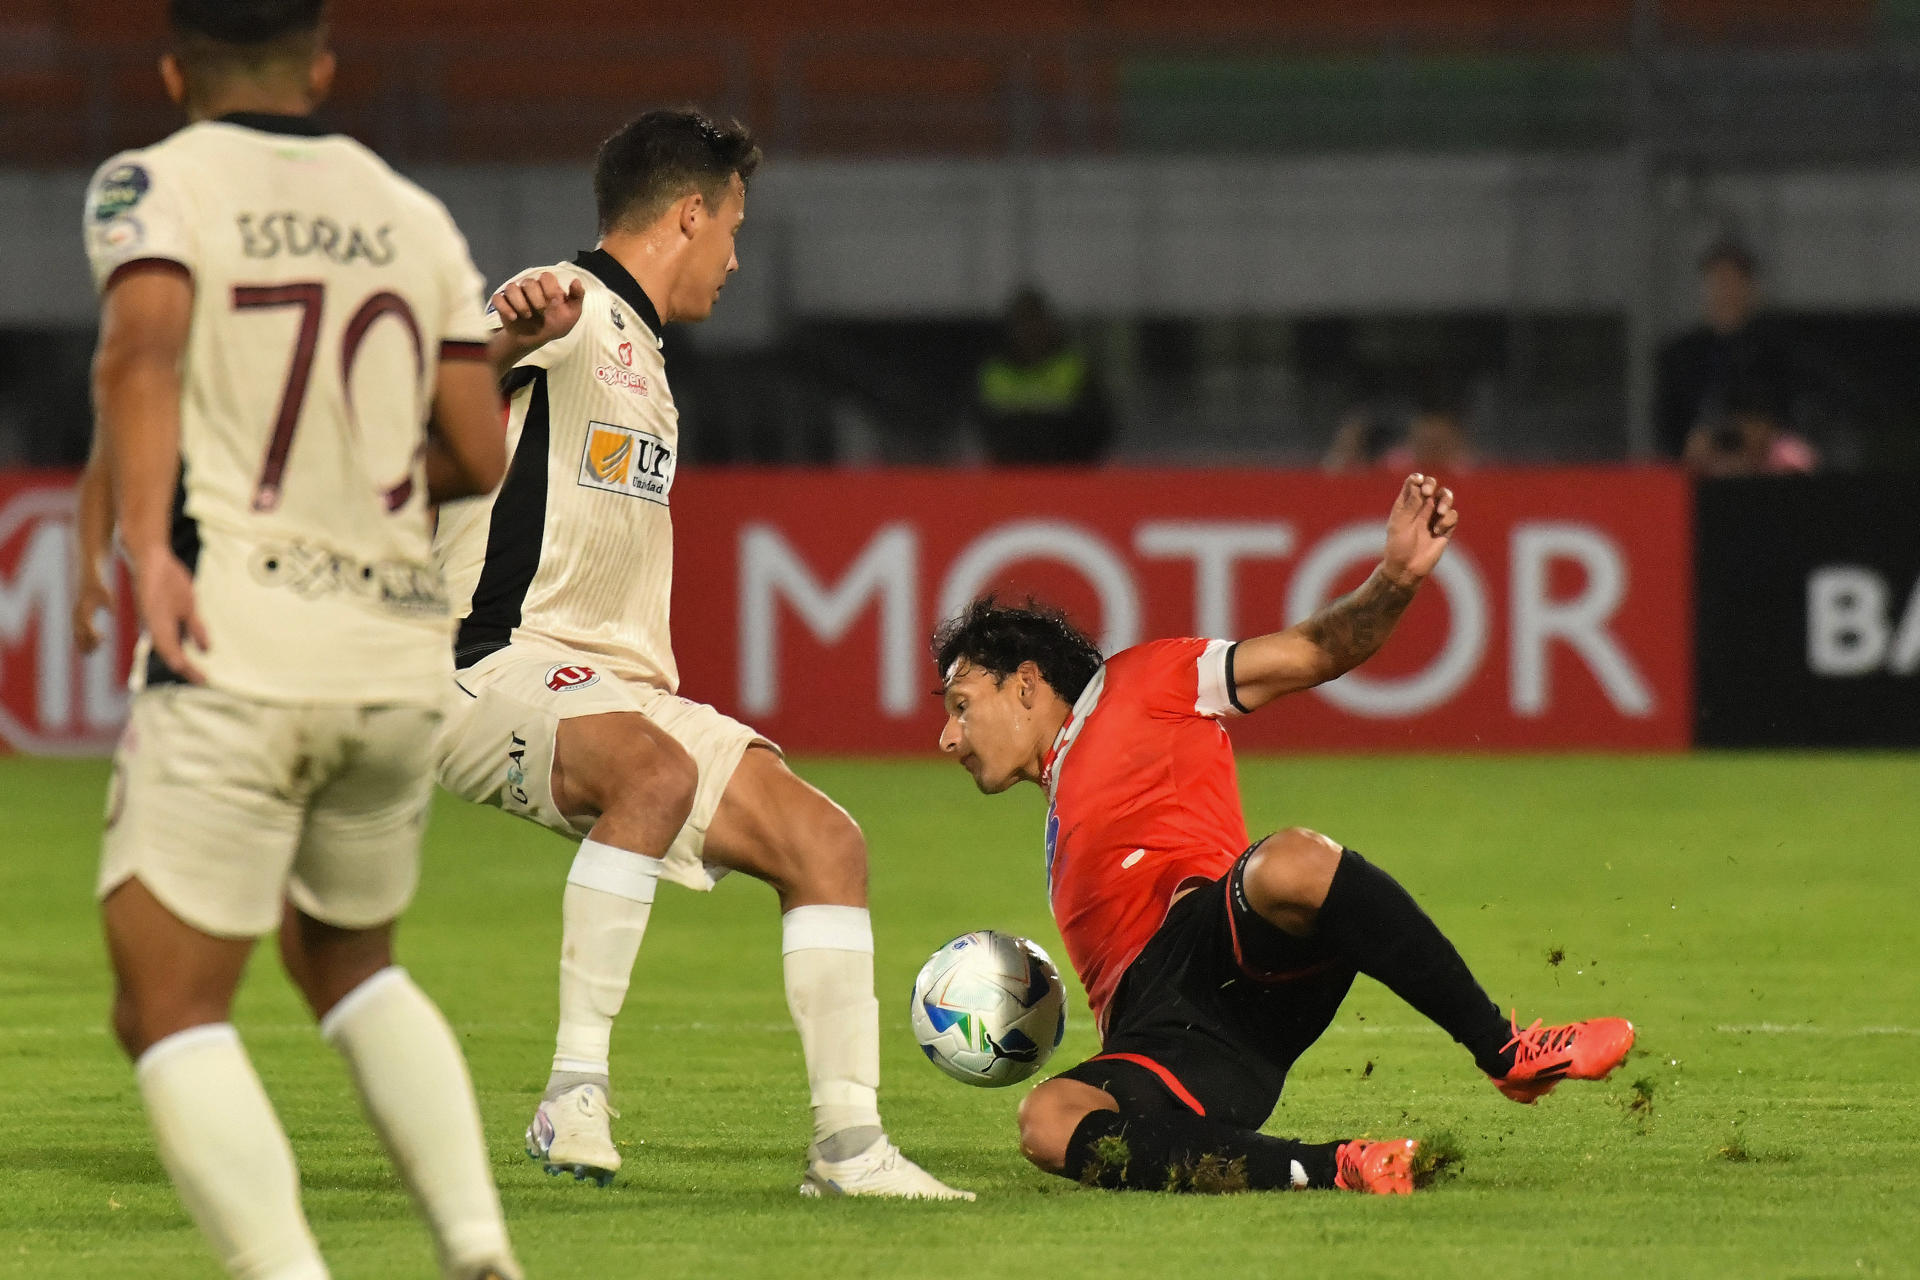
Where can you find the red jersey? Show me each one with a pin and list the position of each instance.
(1143, 798)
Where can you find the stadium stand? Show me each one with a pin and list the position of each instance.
(433, 80)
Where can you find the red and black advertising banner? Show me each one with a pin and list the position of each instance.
(53, 701)
(1561, 618)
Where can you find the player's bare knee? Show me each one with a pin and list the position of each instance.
(657, 778)
(1291, 871)
(828, 862)
(1048, 1118)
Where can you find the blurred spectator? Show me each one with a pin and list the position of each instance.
(1750, 439)
(1435, 441)
(1037, 397)
(1733, 345)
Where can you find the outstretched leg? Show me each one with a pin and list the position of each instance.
(1308, 886)
(775, 827)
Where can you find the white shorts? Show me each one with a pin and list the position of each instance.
(496, 746)
(225, 808)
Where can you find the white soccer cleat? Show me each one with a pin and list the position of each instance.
(880, 1170)
(573, 1133)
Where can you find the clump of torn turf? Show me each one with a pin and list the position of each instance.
(1439, 1159)
(1556, 956)
(1209, 1175)
(1738, 1152)
(1638, 1103)
(1108, 1168)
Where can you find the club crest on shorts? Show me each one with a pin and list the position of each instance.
(561, 679)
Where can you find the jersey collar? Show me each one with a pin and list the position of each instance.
(1076, 720)
(267, 122)
(621, 281)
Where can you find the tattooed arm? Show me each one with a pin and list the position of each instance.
(1347, 632)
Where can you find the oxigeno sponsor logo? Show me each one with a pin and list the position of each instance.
(776, 580)
(52, 701)
(624, 378)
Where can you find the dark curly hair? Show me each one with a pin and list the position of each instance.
(997, 638)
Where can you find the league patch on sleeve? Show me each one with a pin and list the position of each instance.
(119, 190)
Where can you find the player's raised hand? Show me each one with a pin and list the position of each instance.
(535, 309)
(164, 589)
(1418, 529)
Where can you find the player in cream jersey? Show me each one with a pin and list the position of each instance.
(290, 370)
(584, 560)
(328, 290)
(568, 713)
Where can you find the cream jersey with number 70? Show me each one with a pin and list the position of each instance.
(575, 550)
(326, 291)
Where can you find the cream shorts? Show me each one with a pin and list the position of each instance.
(226, 807)
(496, 745)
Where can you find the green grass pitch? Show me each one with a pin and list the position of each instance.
(1753, 914)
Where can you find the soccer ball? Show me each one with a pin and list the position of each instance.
(988, 1009)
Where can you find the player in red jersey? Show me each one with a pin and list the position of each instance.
(1212, 964)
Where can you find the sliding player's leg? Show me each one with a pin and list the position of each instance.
(1308, 887)
(777, 828)
(559, 744)
(1083, 1131)
(354, 873)
(199, 837)
(1198, 1040)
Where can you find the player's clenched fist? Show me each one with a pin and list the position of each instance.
(534, 310)
(538, 309)
(1418, 528)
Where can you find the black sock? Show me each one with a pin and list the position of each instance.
(1382, 932)
(1173, 1151)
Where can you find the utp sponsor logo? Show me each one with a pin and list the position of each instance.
(562, 679)
(623, 460)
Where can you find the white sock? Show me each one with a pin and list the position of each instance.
(603, 918)
(227, 1155)
(827, 953)
(406, 1064)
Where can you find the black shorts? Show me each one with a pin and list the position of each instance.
(1215, 1009)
